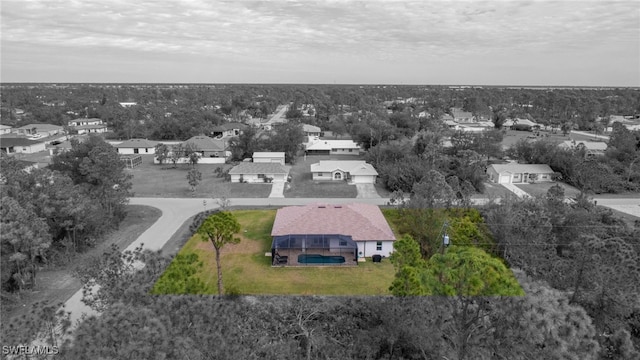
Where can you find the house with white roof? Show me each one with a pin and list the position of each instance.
(354, 171)
(514, 173)
(332, 147)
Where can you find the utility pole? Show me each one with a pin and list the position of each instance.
(445, 237)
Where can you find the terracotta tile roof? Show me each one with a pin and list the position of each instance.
(361, 221)
(258, 168)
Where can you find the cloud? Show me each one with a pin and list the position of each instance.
(274, 33)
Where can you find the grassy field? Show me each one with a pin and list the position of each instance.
(513, 136)
(151, 180)
(302, 185)
(540, 189)
(246, 269)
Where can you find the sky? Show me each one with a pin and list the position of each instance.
(537, 43)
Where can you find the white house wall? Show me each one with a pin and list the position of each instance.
(368, 248)
(30, 149)
(363, 179)
(345, 152)
(253, 178)
(279, 160)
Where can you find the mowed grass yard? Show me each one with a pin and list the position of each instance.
(303, 186)
(540, 189)
(247, 271)
(513, 136)
(154, 180)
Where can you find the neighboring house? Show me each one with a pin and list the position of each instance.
(460, 115)
(470, 127)
(137, 146)
(424, 114)
(11, 145)
(229, 129)
(519, 173)
(268, 157)
(358, 172)
(362, 223)
(5, 129)
(252, 172)
(41, 130)
(84, 121)
(90, 129)
(332, 147)
(310, 130)
(212, 151)
(446, 117)
(591, 148)
(519, 124)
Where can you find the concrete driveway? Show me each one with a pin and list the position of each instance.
(277, 190)
(366, 191)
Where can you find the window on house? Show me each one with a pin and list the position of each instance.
(135, 151)
(334, 150)
(379, 246)
(146, 150)
(337, 176)
(260, 176)
(319, 174)
(350, 150)
(343, 243)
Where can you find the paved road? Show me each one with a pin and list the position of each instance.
(279, 115)
(603, 137)
(625, 205)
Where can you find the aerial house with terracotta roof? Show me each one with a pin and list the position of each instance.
(320, 234)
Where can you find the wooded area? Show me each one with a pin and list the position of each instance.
(577, 263)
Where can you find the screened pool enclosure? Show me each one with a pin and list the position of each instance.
(314, 250)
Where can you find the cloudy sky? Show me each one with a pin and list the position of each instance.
(578, 43)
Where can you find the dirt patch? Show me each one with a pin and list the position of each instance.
(59, 284)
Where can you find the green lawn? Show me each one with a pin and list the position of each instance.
(302, 185)
(540, 189)
(151, 180)
(247, 270)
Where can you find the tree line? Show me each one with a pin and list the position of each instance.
(50, 214)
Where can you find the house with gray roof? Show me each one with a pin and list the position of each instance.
(514, 173)
(11, 145)
(252, 172)
(353, 171)
(137, 146)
